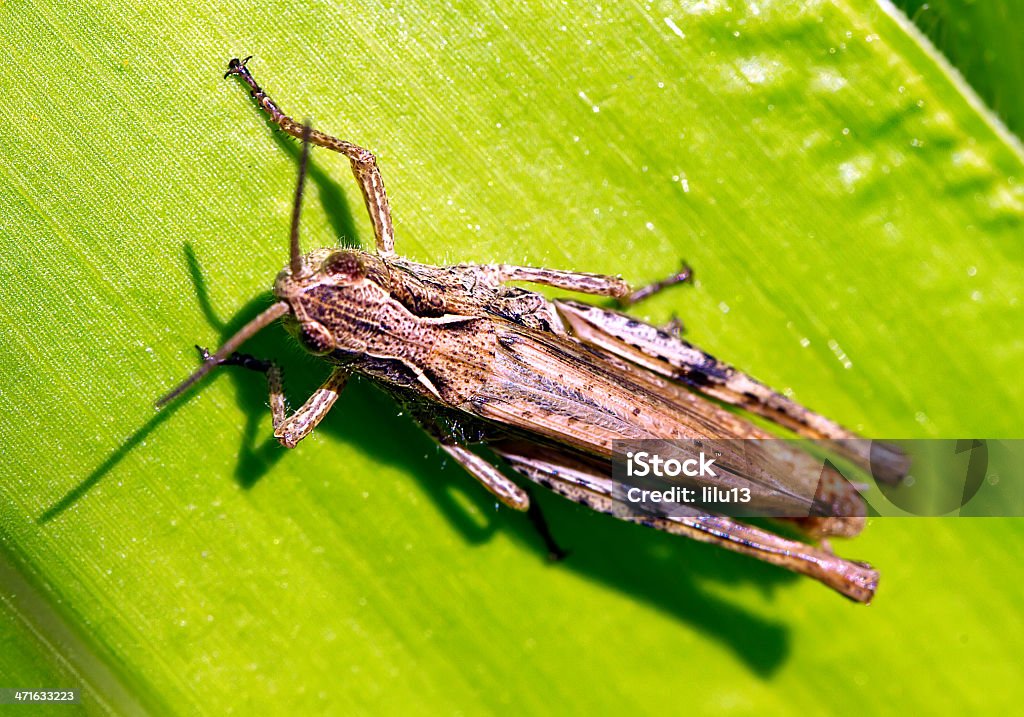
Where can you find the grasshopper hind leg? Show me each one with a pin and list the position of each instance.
(672, 358)
(586, 482)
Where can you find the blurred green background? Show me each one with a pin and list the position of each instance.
(854, 214)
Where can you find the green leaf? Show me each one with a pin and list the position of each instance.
(854, 215)
(981, 40)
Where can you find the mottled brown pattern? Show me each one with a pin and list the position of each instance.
(399, 329)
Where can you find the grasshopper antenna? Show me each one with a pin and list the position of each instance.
(244, 334)
(297, 267)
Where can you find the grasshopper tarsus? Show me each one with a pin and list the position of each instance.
(684, 275)
(236, 66)
(556, 553)
(246, 361)
(674, 327)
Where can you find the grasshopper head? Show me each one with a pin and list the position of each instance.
(312, 292)
(312, 287)
(332, 284)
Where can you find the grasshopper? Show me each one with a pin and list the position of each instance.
(546, 385)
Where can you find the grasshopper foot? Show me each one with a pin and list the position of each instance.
(238, 359)
(674, 327)
(556, 553)
(682, 276)
(237, 67)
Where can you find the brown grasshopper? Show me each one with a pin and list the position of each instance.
(546, 385)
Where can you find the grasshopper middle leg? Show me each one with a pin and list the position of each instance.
(595, 284)
(497, 483)
(507, 491)
(585, 283)
(500, 486)
(488, 280)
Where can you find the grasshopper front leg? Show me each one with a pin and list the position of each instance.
(364, 163)
(289, 430)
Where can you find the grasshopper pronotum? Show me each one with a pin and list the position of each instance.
(546, 384)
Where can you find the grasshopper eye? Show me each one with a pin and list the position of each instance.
(315, 338)
(345, 264)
